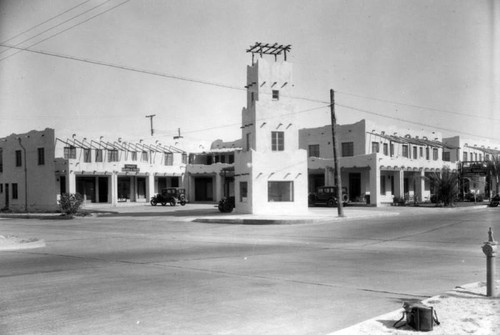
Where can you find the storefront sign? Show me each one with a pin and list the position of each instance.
(130, 168)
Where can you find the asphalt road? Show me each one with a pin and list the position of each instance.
(150, 273)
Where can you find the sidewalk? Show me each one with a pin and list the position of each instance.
(464, 310)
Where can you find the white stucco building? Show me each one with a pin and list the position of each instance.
(381, 162)
(37, 167)
(271, 170)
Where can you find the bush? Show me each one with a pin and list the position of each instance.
(70, 203)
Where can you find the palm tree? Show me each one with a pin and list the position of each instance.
(445, 185)
(493, 169)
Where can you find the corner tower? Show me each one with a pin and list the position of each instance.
(271, 170)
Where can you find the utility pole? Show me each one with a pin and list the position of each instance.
(338, 182)
(151, 119)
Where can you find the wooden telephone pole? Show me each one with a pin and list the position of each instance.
(338, 182)
(151, 119)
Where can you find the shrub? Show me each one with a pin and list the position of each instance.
(70, 203)
(445, 187)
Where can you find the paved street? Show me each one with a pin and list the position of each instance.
(151, 271)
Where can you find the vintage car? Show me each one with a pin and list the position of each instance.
(170, 195)
(226, 205)
(327, 195)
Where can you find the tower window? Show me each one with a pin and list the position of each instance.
(278, 141)
(276, 94)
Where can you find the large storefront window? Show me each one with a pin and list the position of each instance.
(280, 191)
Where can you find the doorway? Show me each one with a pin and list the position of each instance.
(203, 189)
(355, 187)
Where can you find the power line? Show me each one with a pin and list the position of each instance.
(414, 106)
(412, 122)
(62, 31)
(42, 23)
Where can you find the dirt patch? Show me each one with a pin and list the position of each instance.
(11, 242)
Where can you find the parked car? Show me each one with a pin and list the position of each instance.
(170, 195)
(327, 195)
(226, 205)
(495, 201)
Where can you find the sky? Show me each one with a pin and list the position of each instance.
(99, 67)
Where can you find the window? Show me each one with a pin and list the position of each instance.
(41, 156)
(446, 156)
(243, 191)
(375, 147)
(276, 95)
(281, 191)
(347, 149)
(19, 160)
(113, 156)
(98, 155)
(415, 153)
(1, 188)
(382, 185)
(427, 154)
(405, 150)
(314, 150)
(70, 152)
(1, 160)
(480, 157)
(471, 156)
(14, 191)
(386, 149)
(421, 152)
(278, 141)
(392, 149)
(87, 156)
(231, 159)
(169, 158)
(465, 156)
(222, 158)
(435, 154)
(144, 156)
(184, 158)
(134, 156)
(209, 160)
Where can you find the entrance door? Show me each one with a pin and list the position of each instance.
(141, 188)
(203, 189)
(86, 187)
(354, 186)
(103, 189)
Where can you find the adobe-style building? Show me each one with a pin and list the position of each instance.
(377, 162)
(271, 170)
(37, 167)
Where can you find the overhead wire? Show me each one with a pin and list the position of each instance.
(413, 106)
(128, 68)
(410, 122)
(62, 31)
(42, 23)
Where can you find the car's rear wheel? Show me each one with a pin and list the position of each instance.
(153, 202)
(330, 203)
(172, 203)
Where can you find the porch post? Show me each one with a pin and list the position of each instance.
(374, 185)
(399, 183)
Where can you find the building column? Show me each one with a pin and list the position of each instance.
(71, 183)
(399, 183)
(218, 187)
(150, 186)
(114, 188)
(420, 186)
(374, 185)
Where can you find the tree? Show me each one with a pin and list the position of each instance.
(445, 185)
(70, 203)
(493, 169)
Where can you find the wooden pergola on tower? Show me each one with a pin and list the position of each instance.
(269, 49)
